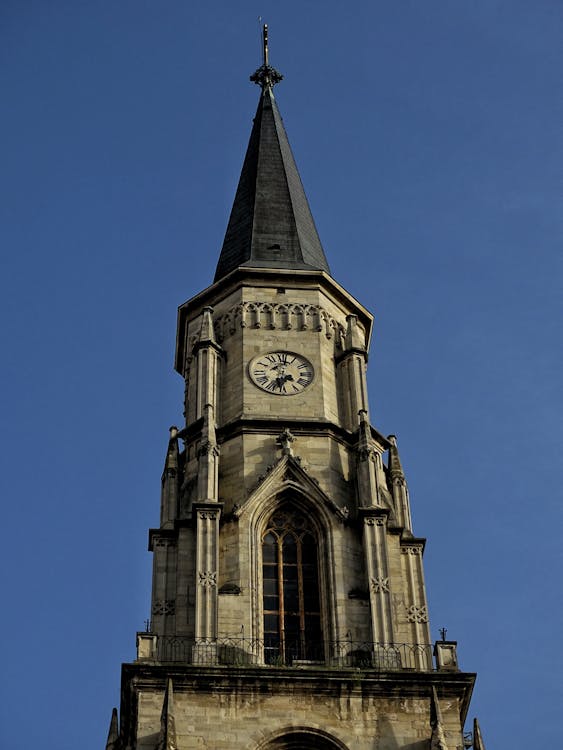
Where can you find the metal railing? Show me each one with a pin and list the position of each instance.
(241, 651)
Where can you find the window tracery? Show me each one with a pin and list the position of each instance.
(290, 580)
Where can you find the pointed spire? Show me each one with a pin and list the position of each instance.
(478, 743)
(355, 338)
(438, 738)
(113, 734)
(395, 467)
(171, 461)
(167, 736)
(271, 225)
(170, 481)
(207, 332)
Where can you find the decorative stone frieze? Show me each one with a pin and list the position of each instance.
(270, 316)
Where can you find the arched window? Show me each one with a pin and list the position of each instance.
(290, 574)
(304, 739)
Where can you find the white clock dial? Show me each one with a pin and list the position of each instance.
(281, 373)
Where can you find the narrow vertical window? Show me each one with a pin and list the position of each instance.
(290, 574)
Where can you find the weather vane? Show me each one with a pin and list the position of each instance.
(266, 76)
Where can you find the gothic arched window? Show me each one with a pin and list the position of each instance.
(290, 575)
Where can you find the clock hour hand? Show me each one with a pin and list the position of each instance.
(281, 380)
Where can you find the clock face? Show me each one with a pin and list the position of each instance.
(281, 373)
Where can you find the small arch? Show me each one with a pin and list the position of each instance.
(302, 738)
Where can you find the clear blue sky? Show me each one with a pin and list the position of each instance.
(429, 139)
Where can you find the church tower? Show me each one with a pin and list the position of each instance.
(288, 599)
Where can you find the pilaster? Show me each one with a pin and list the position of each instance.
(207, 569)
(377, 569)
(416, 606)
(162, 542)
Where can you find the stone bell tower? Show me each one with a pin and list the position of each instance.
(288, 599)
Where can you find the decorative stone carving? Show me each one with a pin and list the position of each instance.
(164, 607)
(411, 550)
(417, 614)
(208, 448)
(285, 316)
(162, 541)
(366, 454)
(284, 440)
(207, 515)
(208, 578)
(379, 585)
(374, 521)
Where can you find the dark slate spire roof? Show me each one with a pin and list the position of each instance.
(271, 225)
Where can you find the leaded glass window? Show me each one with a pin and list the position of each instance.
(290, 570)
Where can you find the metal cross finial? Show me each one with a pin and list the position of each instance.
(266, 76)
(265, 39)
(443, 632)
